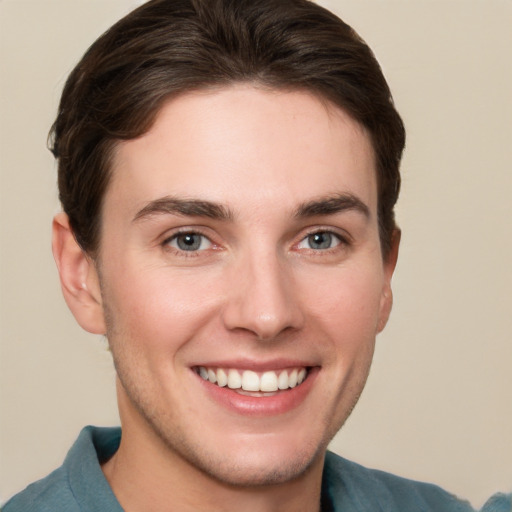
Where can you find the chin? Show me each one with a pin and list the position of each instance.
(248, 460)
(255, 468)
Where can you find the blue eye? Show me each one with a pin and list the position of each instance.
(321, 240)
(189, 242)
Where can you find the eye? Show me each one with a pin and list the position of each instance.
(321, 240)
(189, 242)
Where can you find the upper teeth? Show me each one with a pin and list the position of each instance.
(251, 381)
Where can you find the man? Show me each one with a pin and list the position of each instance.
(228, 171)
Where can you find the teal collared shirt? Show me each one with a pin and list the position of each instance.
(79, 486)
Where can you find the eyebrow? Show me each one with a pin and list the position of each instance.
(331, 205)
(322, 206)
(185, 207)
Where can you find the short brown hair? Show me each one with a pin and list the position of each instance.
(169, 47)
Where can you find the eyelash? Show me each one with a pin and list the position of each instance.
(340, 240)
(166, 244)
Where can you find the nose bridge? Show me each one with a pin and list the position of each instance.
(261, 299)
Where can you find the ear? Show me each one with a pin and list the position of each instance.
(386, 300)
(78, 277)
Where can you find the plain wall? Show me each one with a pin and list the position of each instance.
(438, 404)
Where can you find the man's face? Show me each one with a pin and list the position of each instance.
(240, 244)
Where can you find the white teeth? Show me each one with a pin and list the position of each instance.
(269, 381)
(222, 378)
(292, 378)
(282, 382)
(248, 380)
(234, 379)
(212, 377)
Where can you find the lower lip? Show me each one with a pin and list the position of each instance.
(279, 403)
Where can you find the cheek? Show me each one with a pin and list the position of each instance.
(158, 309)
(348, 296)
(347, 304)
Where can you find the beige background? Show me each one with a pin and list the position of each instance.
(438, 405)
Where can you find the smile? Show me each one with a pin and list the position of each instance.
(254, 382)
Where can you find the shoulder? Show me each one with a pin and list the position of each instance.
(78, 485)
(354, 487)
(498, 503)
(47, 495)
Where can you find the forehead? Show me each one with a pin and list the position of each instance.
(250, 147)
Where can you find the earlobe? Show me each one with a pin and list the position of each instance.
(386, 301)
(78, 277)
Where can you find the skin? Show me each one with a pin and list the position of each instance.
(257, 291)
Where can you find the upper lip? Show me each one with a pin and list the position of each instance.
(256, 365)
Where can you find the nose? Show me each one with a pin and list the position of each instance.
(262, 298)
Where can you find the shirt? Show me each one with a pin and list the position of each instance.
(80, 486)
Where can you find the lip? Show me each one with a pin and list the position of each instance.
(271, 405)
(256, 366)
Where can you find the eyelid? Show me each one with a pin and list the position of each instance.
(186, 230)
(339, 233)
(173, 242)
(344, 238)
(305, 240)
(343, 243)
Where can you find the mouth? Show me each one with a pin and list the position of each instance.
(251, 383)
